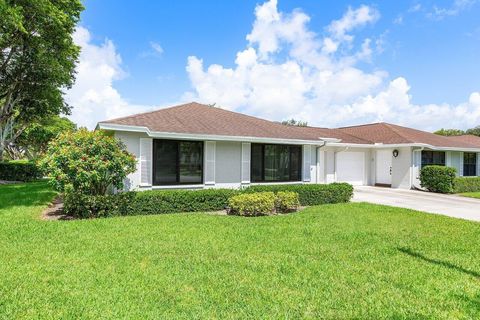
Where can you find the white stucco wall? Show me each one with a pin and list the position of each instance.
(402, 168)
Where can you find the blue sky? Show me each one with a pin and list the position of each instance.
(426, 52)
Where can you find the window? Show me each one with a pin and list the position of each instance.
(177, 162)
(433, 158)
(469, 164)
(276, 163)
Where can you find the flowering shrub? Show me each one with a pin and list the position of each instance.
(286, 201)
(88, 161)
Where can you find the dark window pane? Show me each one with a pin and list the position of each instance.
(165, 157)
(469, 164)
(272, 162)
(190, 162)
(257, 162)
(433, 158)
(177, 162)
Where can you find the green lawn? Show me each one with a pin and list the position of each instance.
(475, 195)
(335, 261)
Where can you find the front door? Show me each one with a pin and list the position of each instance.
(384, 167)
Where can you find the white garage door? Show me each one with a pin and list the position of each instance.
(350, 167)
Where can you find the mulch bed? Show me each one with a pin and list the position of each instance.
(55, 211)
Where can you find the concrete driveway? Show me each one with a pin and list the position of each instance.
(449, 205)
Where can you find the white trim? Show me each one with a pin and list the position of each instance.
(400, 145)
(179, 186)
(276, 183)
(195, 136)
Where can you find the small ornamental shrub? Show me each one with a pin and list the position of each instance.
(438, 179)
(253, 204)
(467, 184)
(19, 170)
(286, 201)
(90, 162)
(311, 194)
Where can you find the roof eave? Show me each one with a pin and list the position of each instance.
(197, 136)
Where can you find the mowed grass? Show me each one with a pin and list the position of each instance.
(475, 195)
(335, 261)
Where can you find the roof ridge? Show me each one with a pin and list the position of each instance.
(153, 111)
(395, 130)
(354, 136)
(361, 125)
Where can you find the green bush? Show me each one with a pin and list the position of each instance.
(467, 184)
(286, 201)
(19, 171)
(96, 206)
(438, 179)
(253, 204)
(146, 202)
(174, 201)
(311, 194)
(90, 161)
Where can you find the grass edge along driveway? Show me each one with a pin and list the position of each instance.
(352, 260)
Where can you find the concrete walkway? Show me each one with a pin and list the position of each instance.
(449, 205)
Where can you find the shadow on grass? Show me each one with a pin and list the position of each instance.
(445, 264)
(25, 194)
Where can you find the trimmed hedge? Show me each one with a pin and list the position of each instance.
(311, 194)
(146, 202)
(467, 184)
(19, 170)
(252, 204)
(176, 201)
(438, 179)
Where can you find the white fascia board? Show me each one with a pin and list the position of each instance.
(400, 145)
(212, 137)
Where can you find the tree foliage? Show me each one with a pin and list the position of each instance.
(450, 132)
(296, 123)
(34, 139)
(89, 162)
(37, 61)
(474, 131)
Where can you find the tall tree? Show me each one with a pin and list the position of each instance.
(37, 62)
(474, 131)
(35, 138)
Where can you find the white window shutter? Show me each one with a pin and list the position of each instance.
(246, 154)
(209, 166)
(307, 159)
(146, 151)
(478, 164)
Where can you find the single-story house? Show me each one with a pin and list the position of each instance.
(200, 146)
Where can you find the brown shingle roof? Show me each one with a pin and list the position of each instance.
(468, 138)
(196, 118)
(387, 133)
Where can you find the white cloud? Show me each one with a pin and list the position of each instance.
(456, 8)
(156, 47)
(93, 96)
(288, 71)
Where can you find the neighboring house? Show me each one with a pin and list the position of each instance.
(200, 146)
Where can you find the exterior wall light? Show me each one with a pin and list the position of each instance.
(395, 153)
